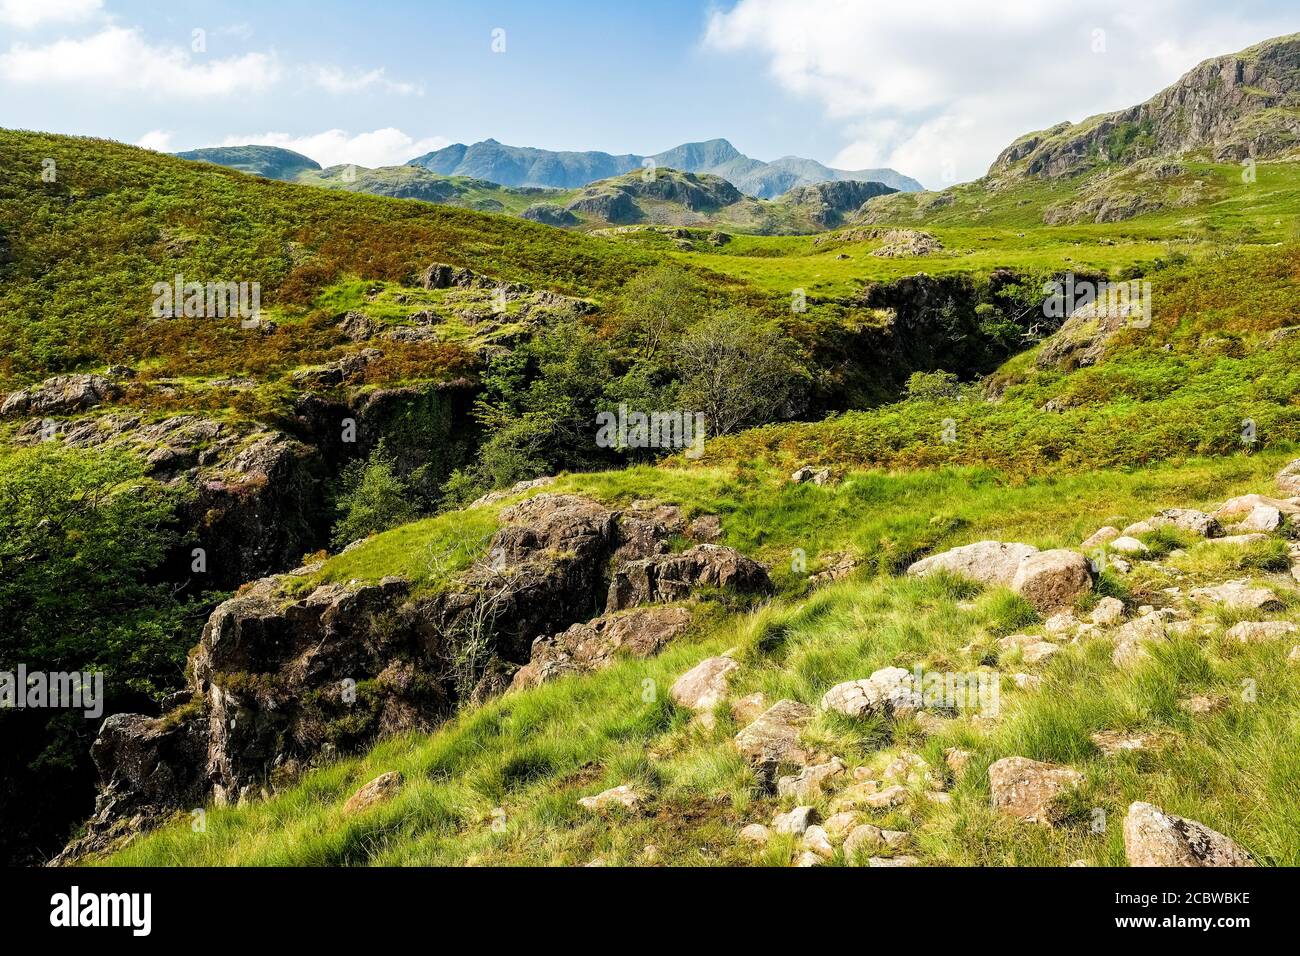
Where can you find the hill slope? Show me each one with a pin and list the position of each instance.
(273, 162)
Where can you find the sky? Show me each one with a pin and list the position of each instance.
(932, 88)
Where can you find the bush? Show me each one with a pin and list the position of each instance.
(374, 499)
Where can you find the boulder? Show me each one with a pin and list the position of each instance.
(818, 476)
(773, 738)
(816, 840)
(582, 648)
(706, 529)
(1028, 790)
(1155, 838)
(380, 790)
(1132, 638)
(839, 825)
(704, 686)
(1112, 742)
(673, 577)
(1188, 519)
(1052, 579)
(755, 833)
(988, 562)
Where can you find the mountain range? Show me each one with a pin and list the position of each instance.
(527, 166)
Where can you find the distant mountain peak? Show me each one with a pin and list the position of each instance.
(528, 166)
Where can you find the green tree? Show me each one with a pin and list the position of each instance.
(374, 499)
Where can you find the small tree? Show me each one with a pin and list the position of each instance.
(374, 499)
(737, 370)
(932, 386)
(658, 305)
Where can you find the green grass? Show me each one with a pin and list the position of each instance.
(530, 756)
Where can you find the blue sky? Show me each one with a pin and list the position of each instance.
(931, 87)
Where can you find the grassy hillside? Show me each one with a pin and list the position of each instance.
(80, 256)
(499, 785)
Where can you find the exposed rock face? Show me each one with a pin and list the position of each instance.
(549, 215)
(1288, 479)
(1232, 106)
(1028, 789)
(1250, 632)
(280, 679)
(828, 203)
(989, 562)
(1239, 595)
(621, 797)
(596, 644)
(672, 577)
(254, 489)
(1155, 838)
(61, 395)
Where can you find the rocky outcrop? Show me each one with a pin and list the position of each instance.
(61, 395)
(1048, 580)
(255, 491)
(282, 679)
(672, 577)
(1155, 838)
(594, 645)
(1232, 107)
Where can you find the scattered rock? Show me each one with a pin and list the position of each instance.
(1109, 611)
(1203, 705)
(1100, 537)
(795, 821)
(1239, 595)
(807, 784)
(1288, 479)
(621, 796)
(818, 476)
(1249, 632)
(756, 833)
(749, 708)
(1028, 789)
(837, 565)
(893, 861)
(380, 790)
(1155, 838)
(889, 797)
(1027, 681)
(807, 858)
(842, 823)
(1130, 546)
(1262, 518)
(492, 497)
(887, 693)
(1132, 638)
(1245, 504)
(774, 737)
(1187, 519)
(1111, 742)
(816, 841)
(957, 760)
(864, 839)
(704, 686)
(908, 769)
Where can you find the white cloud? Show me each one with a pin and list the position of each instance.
(159, 140)
(936, 88)
(117, 59)
(26, 14)
(334, 80)
(381, 147)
